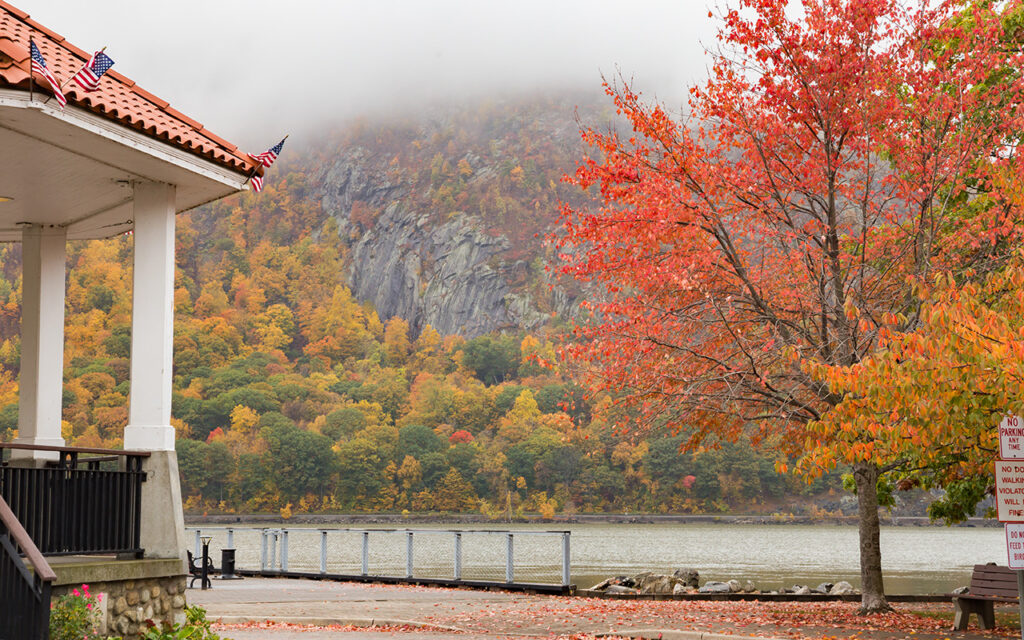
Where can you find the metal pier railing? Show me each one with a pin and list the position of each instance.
(532, 560)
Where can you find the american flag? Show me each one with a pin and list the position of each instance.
(267, 157)
(88, 76)
(39, 66)
(257, 183)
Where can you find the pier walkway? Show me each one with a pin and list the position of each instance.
(346, 611)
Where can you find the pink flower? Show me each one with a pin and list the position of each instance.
(75, 592)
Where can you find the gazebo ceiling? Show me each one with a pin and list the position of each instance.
(75, 169)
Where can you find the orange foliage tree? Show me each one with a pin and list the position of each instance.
(818, 174)
(926, 404)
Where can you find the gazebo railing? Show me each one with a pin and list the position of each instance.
(80, 505)
(24, 594)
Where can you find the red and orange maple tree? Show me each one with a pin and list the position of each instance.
(832, 160)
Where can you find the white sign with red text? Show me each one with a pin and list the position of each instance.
(1011, 438)
(1010, 490)
(1015, 545)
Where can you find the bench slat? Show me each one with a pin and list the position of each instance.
(993, 569)
(992, 585)
(994, 580)
(994, 577)
(974, 596)
(996, 593)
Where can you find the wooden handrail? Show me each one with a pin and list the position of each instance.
(21, 537)
(41, 447)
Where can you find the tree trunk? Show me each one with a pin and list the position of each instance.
(865, 475)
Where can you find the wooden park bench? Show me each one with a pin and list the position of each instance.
(990, 584)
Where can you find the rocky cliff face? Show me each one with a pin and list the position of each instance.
(441, 242)
(451, 276)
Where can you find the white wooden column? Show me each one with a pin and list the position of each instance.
(162, 530)
(149, 408)
(42, 339)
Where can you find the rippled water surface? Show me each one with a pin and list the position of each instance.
(914, 559)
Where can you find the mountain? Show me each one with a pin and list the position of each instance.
(444, 215)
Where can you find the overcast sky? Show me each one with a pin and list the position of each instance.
(255, 69)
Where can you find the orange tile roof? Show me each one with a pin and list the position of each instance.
(118, 98)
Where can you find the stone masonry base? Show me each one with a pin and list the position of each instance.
(128, 604)
(134, 591)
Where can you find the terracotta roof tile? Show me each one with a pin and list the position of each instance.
(118, 98)
(53, 35)
(161, 104)
(16, 11)
(187, 120)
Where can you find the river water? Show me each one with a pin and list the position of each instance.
(915, 560)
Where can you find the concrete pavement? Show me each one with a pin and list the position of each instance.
(343, 610)
(421, 613)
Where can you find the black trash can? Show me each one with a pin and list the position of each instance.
(227, 565)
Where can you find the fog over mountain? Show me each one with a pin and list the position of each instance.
(252, 70)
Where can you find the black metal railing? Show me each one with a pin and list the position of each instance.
(24, 594)
(78, 505)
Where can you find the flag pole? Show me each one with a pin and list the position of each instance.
(31, 75)
(253, 172)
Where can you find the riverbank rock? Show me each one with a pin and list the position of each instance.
(842, 588)
(714, 587)
(683, 581)
(657, 584)
(604, 584)
(645, 583)
(689, 577)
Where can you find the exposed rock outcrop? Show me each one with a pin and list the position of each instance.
(452, 276)
(444, 217)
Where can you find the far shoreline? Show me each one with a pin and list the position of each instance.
(407, 519)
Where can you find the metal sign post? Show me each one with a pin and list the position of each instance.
(1020, 599)
(1009, 473)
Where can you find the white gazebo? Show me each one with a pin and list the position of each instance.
(113, 161)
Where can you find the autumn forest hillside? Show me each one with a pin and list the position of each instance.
(375, 332)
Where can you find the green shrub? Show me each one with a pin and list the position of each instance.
(75, 616)
(196, 627)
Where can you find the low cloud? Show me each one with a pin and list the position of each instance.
(253, 70)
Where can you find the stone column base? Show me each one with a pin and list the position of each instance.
(163, 524)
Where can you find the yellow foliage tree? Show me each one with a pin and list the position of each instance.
(396, 341)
